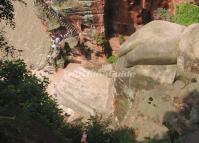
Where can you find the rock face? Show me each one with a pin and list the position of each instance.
(162, 88)
(84, 91)
(29, 35)
(82, 14)
(106, 16)
(188, 47)
(152, 45)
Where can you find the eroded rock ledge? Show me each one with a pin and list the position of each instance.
(163, 92)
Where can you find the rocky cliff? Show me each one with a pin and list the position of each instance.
(161, 93)
(121, 17)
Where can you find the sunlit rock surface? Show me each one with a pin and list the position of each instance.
(189, 49)
(162, 91)
(29, 35)
(84, 91)
(154, 44)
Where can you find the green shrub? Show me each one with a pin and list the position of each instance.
(112, 59)
(98, 38)
(99, 131)
(123, 135)
(164, 14)
(186, 14)
(24, 95)
(121, 39)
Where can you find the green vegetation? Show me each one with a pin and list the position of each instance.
(25, 105)
(164, 14)
(186, 14)
(121, 39)
(149, 140)
(112, 59)
(24, 97)
(99, 131)
(99, 39)
(62, 5)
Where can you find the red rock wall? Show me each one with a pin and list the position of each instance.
(115, 17)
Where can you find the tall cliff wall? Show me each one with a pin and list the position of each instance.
(118, 17)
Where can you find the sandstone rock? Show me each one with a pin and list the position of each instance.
(152, 109)
(188, 47)
(146, 77)
(72, 42)
(29, 35)
(148, 112)
(84, 91)
(154, 44)
(164, 74)
(82, 14)
(154, 104)
(143, 78)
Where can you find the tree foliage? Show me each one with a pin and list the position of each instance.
(24, 96)
(99, 131)
(186, 14)
(27, 111)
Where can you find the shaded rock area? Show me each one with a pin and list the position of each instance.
(161, 94)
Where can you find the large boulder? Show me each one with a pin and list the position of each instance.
(154, 112)
(155, 96)
(83, 91)
(154, 44)
(188, 48)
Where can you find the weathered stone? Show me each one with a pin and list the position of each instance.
(84, 91)
(29, 35)
(188, 47)
(147, 113)
(72, 42)
(164, 74)
(152, 45)
(154, 104)
(148, 101)
(82, 14)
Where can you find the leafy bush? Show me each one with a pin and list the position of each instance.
(99, 39)
(21, 89)
(112, 59)
(121, 39)
(99, 131)
(164, 14)
(186, 14)
(23, 99)
(23, 94)
(123, 135)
